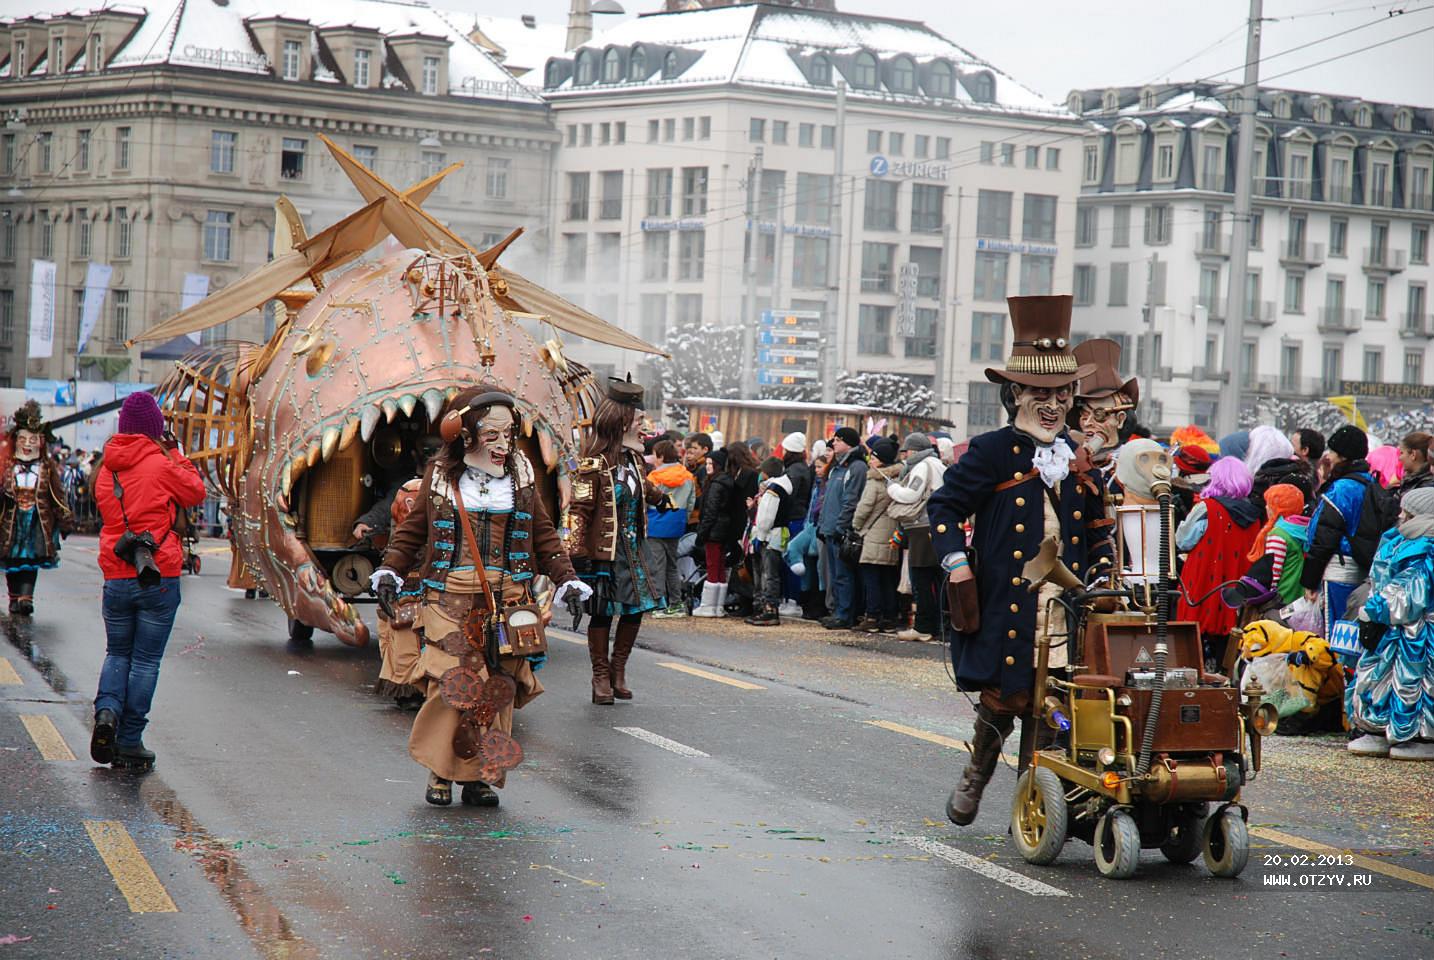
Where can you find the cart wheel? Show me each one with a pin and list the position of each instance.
(1226, 844)
(1039, 822)
(1117, 845)
(196, 564)
(1186, 836)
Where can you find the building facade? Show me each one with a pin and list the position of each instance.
(717, 163)
(1337, 298)
(153, 138)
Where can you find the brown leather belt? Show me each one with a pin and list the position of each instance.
(1017, 480)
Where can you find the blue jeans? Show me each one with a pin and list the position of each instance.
(137, 626)
(843, 583)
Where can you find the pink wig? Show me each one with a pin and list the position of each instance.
(1229, 477)
(1384, 464)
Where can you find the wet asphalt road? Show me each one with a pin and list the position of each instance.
(286, 820)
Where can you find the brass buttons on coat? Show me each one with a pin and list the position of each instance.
(1015, 581)
(1010, 661)
(1021, 502)
(941, 528)
(1017, 475)
(1011, 634)
(1015, 608)
(1075, 566)
(1076, 514)
(1075, 539)
(1017, 554)
(1015, 448)
(1020, 528)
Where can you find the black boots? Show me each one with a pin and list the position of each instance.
(991, 733)
(439, 792)
(765, 616)
(597, 652)
(102, 739)
(479, 794)
(624, 639)
(133, 758)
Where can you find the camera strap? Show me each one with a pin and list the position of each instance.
(119, 497)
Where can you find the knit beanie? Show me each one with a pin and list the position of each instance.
(915, 442)
(795, 443)
(1192, 460)
(848, 436)
(885, 451)
(1349, 442)
(140, 414)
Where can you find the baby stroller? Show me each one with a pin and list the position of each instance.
(693, 575)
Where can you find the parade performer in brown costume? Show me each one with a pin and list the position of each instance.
(33, 511)
(1103, 402)
(1022, 484)
(400, 672)
(478, 533)
(608, 533)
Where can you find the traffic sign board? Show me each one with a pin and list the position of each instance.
(792, 319)
(787, 338)
(782, 378)
(787, 357)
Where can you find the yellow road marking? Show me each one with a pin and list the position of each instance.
(8, 676)
(930, 737)
(739, 684)
(581, 643)
(563, 873)
(1368, 863)
(52, 746)
(132, 872)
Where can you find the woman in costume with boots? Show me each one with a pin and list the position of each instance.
(479, 624)
(400, 673)
(33, 509)
(608, 532)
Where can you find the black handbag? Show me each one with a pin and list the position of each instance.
(849, 546)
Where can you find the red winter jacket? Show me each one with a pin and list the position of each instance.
(155, 481)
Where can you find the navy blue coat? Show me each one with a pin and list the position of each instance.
(1009, 527)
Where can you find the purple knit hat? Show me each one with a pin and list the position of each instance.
(140, 414)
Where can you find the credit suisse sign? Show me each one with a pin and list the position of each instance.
(882, 166)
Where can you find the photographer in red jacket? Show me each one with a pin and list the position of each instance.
(145, 479)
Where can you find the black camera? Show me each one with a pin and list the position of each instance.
(137, 550)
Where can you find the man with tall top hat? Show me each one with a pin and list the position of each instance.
(1103, 401)
(1020, 485)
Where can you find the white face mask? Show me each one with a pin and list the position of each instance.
(1041, 411)
(493, 442)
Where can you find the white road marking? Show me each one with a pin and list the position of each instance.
(647, 736)
(985, 868)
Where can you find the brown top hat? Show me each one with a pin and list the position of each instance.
(625, 392)
(1041, 351)
(1105, 382)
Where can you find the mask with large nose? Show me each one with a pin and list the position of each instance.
(1041, 411)
(491, 442)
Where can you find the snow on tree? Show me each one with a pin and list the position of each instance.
(887, 391)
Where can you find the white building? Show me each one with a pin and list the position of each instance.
(1338, 292)
(946, 163)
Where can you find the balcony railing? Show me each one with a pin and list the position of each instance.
(1379, 198)
(1302, 252)
(1209, 243)
(1260, 311)
(1412, 325)
(1383, 260)
(1419, 201)
(1338, 320)
(1340, 193)
(1214, 306)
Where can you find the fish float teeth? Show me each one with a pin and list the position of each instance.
(390, 409)
(329, 443)
(368, 420)
(433, 403)
(316, 452)
(286, 486)
(347, 434)
(408, 403)
(297, 466)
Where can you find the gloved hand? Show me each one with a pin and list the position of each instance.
(1298, 659)
(572, 586)
(1370, 634)
(385, 584)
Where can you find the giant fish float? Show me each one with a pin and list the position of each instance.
(354, 379)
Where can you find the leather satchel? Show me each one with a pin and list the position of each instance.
(963, 605)
(523, 631)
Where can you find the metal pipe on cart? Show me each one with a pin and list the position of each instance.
(1162, 632)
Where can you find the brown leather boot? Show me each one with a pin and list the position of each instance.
(597, 652)
(622, 644)
(965, 800)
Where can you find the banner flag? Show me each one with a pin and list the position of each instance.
(42, 309)
(97, 283)
(196, 288)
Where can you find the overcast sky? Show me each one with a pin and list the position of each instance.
(1053, 46)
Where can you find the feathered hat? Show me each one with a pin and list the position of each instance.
(28, 417)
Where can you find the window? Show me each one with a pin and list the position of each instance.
(691, 254)
(983, 406)
(943, 148)
(656, 254)
(1037, 274)
(670, 66)
(83, 231)
(1126, 159)
(921, 146)
(828, 137)
(572, 134)
(1374, 299)
(1290, 367)
(221, 151)
(605, 133)
(430, 76)
(1415, 304)
(1331, 367)
(921, 344)
(669, 129)
(575, 256)
(821, 71)
(993, 214)
(659, 192)
(990, 280)
(1379, 184)
(896, 143)
(218, 226)
(82, 150)
(689, 128)
(941, 81)
(362, 59)
(578, 184)
(1033, 158)
(610, 207)
(497, 179)
(1212, 168)
(880, 206)
(124, 233)
(983, 88)
(1087, 226)
(1294, 292)
(612, 67)
(1378, 242)
(704, 128)
(45, 147)
(1337, 183)
(873, 141)
(1038, 220)
(57, 54)
(290, 59)
(694, 191)
(903, 75)
(587, 133)
(366, 154)
(1257, 229)
(653, 126)
(1084, 285)
(988, 337)
(779, 132)
(927, 261)
(609, 255)
(756, 130)
(805, 134)
(654, 317)
(810, 256)
(1298, 186)
(1334, 294)
(1210, 290)
(814, 198)
(1120, 231)
(1338, 236)
(291, 158)
(1053, 158)
(1090, 164)
(47, 234)
(874, 329)
(21, 66)
(120, 315)
(689, 308)
(876, 267)
(1250, 362)
(1374, 364)
(1419, 243)
(1414, 367)
(122, 140)
(1157, 223)
(1119, 285)
(1417, 193)
(637, 66)
(7, 317)
(431, 162)
(774, 184)
(7, 236)
(863, 74)
(1008, 154)
(1164, 161)
(928, 203)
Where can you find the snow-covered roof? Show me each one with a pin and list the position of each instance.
(524, 43)
(768, 46)
(206, 34)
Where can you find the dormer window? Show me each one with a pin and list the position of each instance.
(983, 88)
(903, 75)
(637, 64)
(57, 54)
(670, 67)
(1110, 102)
(1147, 99)
(553, 75)
(1363, 117)
(1284, 109)
(864, 72)
(363, 59)
(942, 80)
(20, 65)
(97, 53)
(612, 67)
(430, 76)
(1075, 104)
(1403, 120)
(587, 68)
(1323, 112)
(821, 72)
(289, 66)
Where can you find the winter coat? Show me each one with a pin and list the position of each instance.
(50, 503)
(920, 477)
(845, 480)
(767, 527)
(1335, 522)
(1297, 473)
(873, 518)
(800, 499)
(1413, 481)
(592, 517)
(1231, 526)
(155, 482)
(719, 523)
(677, 485)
